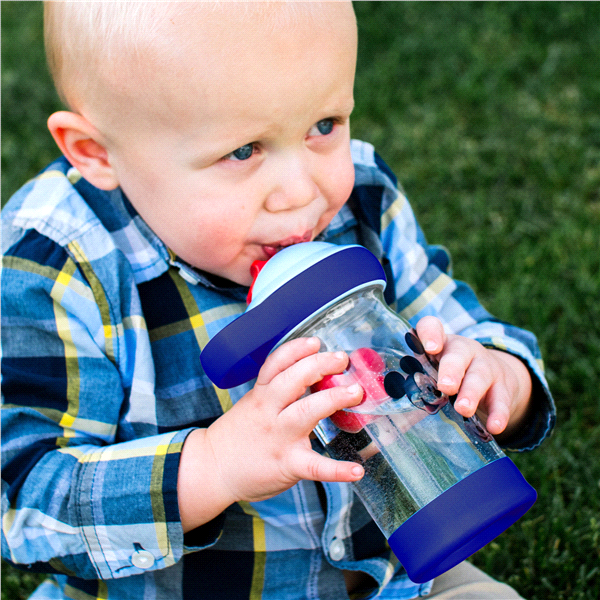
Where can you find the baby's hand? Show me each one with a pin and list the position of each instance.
(495, 383)
(261, 446)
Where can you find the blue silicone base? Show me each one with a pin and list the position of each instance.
(462, 520)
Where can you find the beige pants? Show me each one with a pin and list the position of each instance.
(466, 582)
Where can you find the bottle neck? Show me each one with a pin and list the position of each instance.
(336, 309)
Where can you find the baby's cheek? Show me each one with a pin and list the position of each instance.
(345, 183)
(340, 179)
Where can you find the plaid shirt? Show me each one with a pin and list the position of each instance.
(102, 329)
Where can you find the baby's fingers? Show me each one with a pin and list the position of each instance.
(479, 387)
(453, 366)
(289, 384)
(308, 411)
(285, 356)
(432, 335)
(315, 467)
(498, 410)
(475, 385)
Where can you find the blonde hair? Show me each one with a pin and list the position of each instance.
(81, 36)
(92, 44)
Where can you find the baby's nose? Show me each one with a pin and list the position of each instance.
(295, 186)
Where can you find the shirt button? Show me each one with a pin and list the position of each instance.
(142, 559)
(336, 549)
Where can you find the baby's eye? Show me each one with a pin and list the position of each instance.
(323, 127)
(242, 153)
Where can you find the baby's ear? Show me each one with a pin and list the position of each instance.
(82, 144)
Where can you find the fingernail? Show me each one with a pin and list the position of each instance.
(463, 403)
(357, 471)
(430, 346)
(353, 389)
(340, 354)
(446, 380)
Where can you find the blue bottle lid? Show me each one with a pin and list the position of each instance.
(295, 284)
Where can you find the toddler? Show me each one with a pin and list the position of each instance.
(200, 137)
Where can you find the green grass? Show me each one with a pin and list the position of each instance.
(488, 113)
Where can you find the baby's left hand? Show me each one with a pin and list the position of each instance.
(494, 383)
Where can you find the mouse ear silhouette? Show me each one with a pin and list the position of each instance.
(394, 385)
(411, 365)
(414, 343)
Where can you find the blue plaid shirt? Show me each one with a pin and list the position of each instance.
(102, 328)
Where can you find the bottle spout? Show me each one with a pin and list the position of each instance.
(255, 268)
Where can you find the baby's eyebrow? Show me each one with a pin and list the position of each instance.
(208, 153)
(343, 108)
(199, 162)
(349, 107)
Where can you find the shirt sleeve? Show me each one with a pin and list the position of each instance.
(82, 492)
(424, 286)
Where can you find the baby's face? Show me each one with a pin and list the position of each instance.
(251, 152)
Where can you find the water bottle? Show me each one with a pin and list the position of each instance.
(436, 483)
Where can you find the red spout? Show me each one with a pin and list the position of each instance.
(255, 268)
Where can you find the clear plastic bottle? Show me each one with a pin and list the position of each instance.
(436, 483)
(405, 433)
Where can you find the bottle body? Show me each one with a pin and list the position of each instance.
(437, 484)
(411, 442)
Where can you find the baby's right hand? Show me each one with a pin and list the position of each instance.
(261, 446)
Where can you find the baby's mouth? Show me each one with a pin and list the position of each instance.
(272, 249)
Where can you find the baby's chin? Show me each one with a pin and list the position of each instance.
(243, 279)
